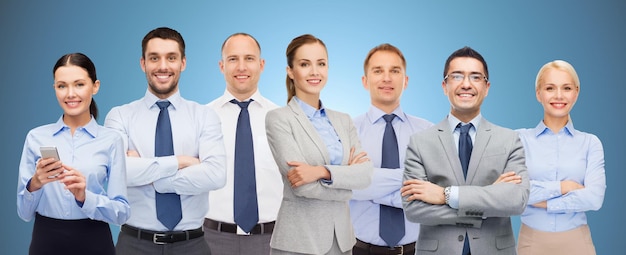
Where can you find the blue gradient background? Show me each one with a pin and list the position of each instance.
(515, 37)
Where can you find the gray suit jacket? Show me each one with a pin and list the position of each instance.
(484, 208)
(312, 214)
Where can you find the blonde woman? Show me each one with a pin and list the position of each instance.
(566, 169)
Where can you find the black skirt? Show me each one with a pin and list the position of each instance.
(84, 236)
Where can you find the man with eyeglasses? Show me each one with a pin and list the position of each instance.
(465, 176)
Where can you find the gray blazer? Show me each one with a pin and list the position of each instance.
(484, 208)
(311, 215)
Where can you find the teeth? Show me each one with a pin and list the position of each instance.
(559, 104)
(72, 103)
(241, 76)
(315, 81)
(163, 76)
(465, 95)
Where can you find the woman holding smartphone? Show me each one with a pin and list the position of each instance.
(74, 198)
(319, 155)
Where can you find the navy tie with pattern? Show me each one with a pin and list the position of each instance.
(168, 207)
(246, 208)
(465, 152)
(391, 224)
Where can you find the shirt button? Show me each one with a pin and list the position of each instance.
(461, 237)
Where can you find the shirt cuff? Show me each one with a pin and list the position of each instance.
(454, 197)
(327, 181)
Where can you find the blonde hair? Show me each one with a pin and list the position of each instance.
(557, 65)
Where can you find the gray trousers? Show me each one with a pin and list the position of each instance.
(222, 243)
(131, 245)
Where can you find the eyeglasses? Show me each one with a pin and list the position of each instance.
(459, 77)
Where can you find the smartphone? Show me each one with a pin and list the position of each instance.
(50, 152)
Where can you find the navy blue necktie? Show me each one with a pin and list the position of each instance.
(391, 224)
(465, 146)
(168, 206)
(245, 204)
(465, 152)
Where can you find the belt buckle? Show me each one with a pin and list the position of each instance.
(156, 236)
(401, 249)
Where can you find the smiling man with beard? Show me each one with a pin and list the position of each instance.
(175, 156)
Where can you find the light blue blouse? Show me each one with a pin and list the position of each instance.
(98, 153)
(552, 158)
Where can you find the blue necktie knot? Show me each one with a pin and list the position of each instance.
(163, 104)
(243, 104)
(389, 117)
(464, 129)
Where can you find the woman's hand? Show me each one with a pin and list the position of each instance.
(47, 170)
(303, 173)
(358, 158)
(75, 182)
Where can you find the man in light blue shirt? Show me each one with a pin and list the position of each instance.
(385, 79)
(196, 167)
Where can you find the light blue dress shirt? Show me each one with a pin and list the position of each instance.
(98, 153)
(386, 183)
(325, 129)
(196, 131)
(551, 158)
(453, 122)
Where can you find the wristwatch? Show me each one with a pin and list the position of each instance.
(446, 194)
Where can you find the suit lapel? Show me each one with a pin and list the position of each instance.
(447, 142)
(483, 135)
(309, 129)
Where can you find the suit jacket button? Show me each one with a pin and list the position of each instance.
(461, 237)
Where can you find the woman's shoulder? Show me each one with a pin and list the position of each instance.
(280, 111)
(47, 129)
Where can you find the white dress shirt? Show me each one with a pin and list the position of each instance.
(196, 132)
(268, 179)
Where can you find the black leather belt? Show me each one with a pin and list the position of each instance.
(385, 250)
(258, 229)
(162, 237)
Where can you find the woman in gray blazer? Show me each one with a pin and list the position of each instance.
(319, 155)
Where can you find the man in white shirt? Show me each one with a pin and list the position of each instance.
(242, 65)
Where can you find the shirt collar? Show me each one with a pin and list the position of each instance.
(454, 121)
(543, 129)
(91, 128)
(150, 99)
(310, 111)
(258, 99)
(375, 114)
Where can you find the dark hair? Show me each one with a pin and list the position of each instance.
(244, 34)
(383, 47)
(294, 45)
(163, 33)
(82, 61)
(466, 52)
